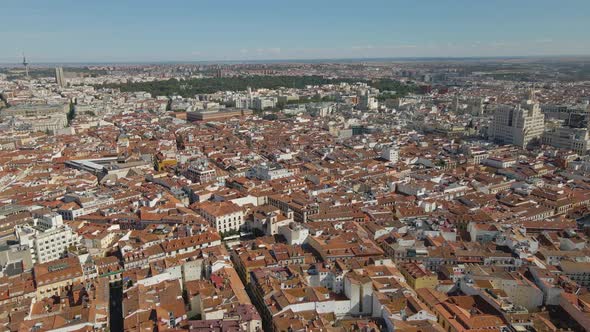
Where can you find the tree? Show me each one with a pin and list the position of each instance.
(71, 113)
(440, 163)
(3, 101)
(196, 86)
(229, 233)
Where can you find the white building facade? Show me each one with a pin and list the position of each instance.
(48, 238)
(517, 125)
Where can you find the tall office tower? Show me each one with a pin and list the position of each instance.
(59, 77)
(517, 125)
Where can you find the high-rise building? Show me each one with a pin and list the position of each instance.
(59, 77)
(517, 125)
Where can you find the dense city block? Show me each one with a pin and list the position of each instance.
(432, 196)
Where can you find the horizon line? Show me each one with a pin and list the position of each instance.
(302, 60)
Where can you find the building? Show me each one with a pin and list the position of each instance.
(269, 219)
(71, 211)
(190, 244)
(390, 153)
(517, 125)
(199, 172)
(320, 109)
(60, 79)
(302, 207)
(358, 288)
(479, 156)
(268, 172)
(164, 160)
(294, 233)
(483, 232)
(510, 292)
(14, 260)
(48, 238)
(33, 110)
(224, 216)
(52, 277)
(52, 123)
(157, 306)
(367, 102)
(243, 102)
(35, 118)
(565, 137)
(418, 277)
(78, 307)
(260, 103)
(565, 112)
(216, 114)
(465, 313)
(577, 271)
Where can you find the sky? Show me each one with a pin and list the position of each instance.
(224, 30)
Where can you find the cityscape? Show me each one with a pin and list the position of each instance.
(402, 189)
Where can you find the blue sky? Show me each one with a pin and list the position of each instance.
(109, 30)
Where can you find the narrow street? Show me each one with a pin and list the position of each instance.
(116, 308)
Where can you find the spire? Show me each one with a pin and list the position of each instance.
(26, 65)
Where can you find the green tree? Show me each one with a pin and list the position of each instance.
(71, 113)
(196, 86)
(229, 233)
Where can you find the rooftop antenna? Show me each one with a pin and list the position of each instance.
(26, 64)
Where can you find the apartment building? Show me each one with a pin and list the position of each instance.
(224, 216)
(575, 139)
(48, 238)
